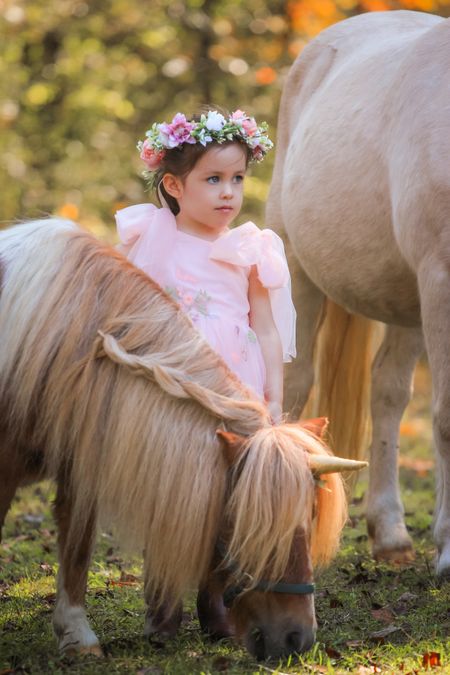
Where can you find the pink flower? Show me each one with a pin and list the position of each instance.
(188, 299)
(249, 126)
(177, 132)
(258, 153)
(151, 157)
(238, 116)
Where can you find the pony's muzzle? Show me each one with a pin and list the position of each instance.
(265, 643)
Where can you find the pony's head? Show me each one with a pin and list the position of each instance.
(284, 513)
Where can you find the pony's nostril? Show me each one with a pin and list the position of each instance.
(299, 641)
(260, 645)
(294, 642)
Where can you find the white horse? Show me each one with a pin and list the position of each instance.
(361, 188)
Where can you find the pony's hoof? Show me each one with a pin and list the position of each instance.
(398, 556)
(161, 632)
(96, 650)
(443, 565)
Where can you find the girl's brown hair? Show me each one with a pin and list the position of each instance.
(181, 160)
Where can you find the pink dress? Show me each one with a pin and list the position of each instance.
(209, 280)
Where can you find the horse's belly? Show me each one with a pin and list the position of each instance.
(371, 280)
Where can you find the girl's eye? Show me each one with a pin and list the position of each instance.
(213, 179)
(238, 179)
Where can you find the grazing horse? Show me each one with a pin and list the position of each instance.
(107, 388)
(361, 187)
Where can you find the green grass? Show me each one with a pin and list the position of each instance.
(372, 618)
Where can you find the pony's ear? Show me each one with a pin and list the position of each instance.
(316, 426)
(232, 445)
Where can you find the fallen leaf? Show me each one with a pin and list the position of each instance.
(383, 614)
(431, 660)
(380, 635)
(404, 603)
(124, 577)
(121, 583)
(332, 653)
(47, 569)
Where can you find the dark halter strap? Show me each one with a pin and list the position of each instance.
(232, 592)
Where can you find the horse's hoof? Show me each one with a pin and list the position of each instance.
(96, 650)
(162, 632)
(398, 556)
(443, 565)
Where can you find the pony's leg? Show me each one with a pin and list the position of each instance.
(434, 283)
(212, 614)
(69, 619)
(392, 373)
(8, 487)
(161, 618)
(13, 473)
(309, 302)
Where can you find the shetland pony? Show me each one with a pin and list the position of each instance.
(106, 388)
(361, 187)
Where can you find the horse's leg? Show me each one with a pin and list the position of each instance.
(392, 373)
(162, 619)
(70, 623)
(309, 301)
(8, 485)
(212, 614)
(434, 284)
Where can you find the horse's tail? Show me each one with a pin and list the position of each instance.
(342, 361)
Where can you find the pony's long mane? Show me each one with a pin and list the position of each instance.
(107, 378)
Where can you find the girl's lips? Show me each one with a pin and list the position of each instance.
(224, 208)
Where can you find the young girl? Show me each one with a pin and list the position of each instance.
(233, 283)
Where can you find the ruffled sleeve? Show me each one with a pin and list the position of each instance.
(247, 245)
(147, 236)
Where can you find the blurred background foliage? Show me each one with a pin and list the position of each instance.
(80, 82)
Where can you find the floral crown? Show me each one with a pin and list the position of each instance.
(212, 127)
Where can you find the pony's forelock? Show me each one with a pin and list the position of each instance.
(273, 496)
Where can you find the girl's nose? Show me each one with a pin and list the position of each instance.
(227, 191)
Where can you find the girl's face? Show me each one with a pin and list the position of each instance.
(210, 196)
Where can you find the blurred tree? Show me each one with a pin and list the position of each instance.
(81, 81)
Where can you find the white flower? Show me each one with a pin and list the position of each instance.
(215, 121)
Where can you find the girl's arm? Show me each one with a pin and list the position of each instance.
(261, 321)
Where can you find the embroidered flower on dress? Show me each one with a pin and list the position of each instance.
(192, 305)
